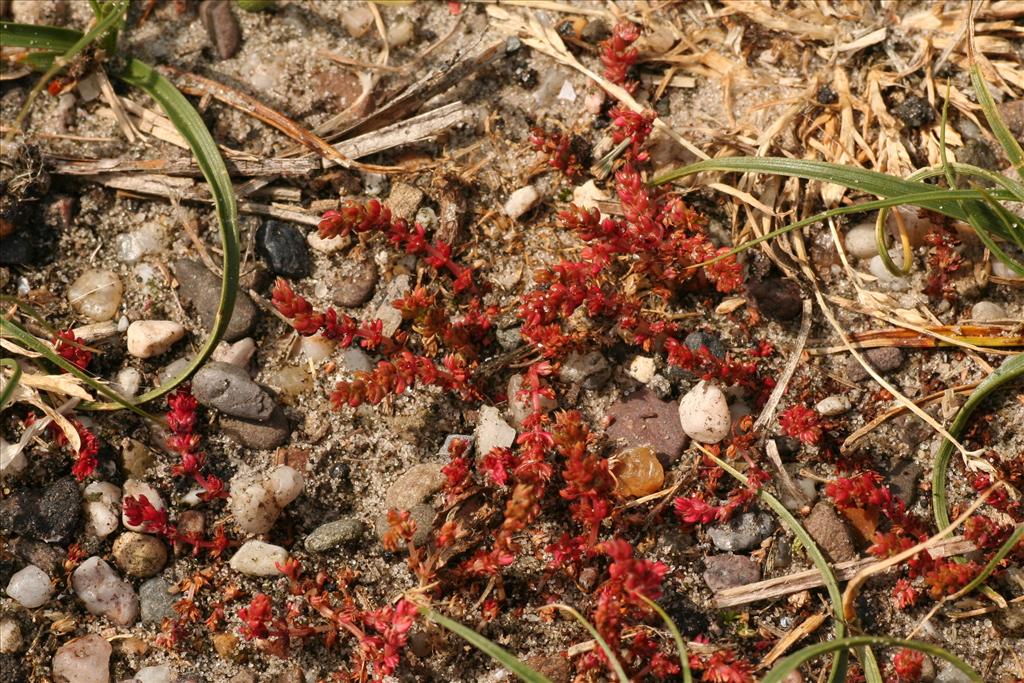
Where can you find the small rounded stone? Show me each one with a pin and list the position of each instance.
(139, 555)
(860, 241)
(10, 636)
(704, 413)
(256, 558)
(521, 201)
(96, 294)
(987, 311)
(83, 660)
(30, 587)
(149, 338)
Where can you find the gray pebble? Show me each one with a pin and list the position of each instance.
(200, 289)
(698, 338)
(262, 434)
(229, 389)
(1010, 621)
(743, 532)
(590, 369)
(333, 534)
(903, 480)
(883, 360)
(726, 571)
(422, 515)
(986, 311)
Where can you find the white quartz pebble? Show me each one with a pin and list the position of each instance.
(102, 508)
(30, 587)
(83, 660)
(704, 413)
(103, 592)
(149, 338)
(521, 201)
(256, 558)
(133, 488)
(96, 294)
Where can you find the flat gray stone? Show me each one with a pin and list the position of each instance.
(200, 289)
(156, 602)
(229, 389)
(726, 571)
(261, 434)
(333, 534)
(742, 532)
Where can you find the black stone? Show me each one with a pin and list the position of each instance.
(826, 95)
(284, 248)
(699, 338)
(915, 112)
(53, 515)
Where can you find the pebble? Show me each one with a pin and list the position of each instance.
(357, 20)
(132, 246)
(46, 557)
(884, 360)
(833, 405)
(136, 458)
(355, 281)
(333, 535)
(1012, 112)
(139, 555)
(1000, 269)
(239, 353)
(149, 338)
(726, 571)
(492, 431)
(519, 408)
(1009, 622)
(589, 369)
(915, 111)
(699, 338)
(416, 485)
(127, 382)
(637, 472)
(284, 248)
(427, 218)
(83, 660)
(102, 508)
(257, 503)
(421, 515)
(830, 532)
(643, 419)
(521, 201)
(805, 487)
(156, 601)
(987, 311)
(355, 360)
(53, 515)
(704, 413)
(510, 338)
(12, 460)
(256, 558)
(154, 674)
(172, 370)
(316, 348)
(903, 480)
(135, 488)
(892, 282)
(374, 184)
(104, 593)
(405, 200)
(96, 294)
(642, 369)
(401, 32)
(30, 587)
(229, 389)
(10, 636)
(200, 289)
(860, 241)
(778, 298)
(950, 674)
(397, 289)
(742, 532)
(222, 27)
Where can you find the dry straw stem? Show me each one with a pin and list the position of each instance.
(853, 438)
(795, 635)
(853, 587)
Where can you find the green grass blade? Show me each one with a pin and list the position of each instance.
(1005, 549)
(9, 328)
(488, 647)
(871, 182)
(1009, 143)
(187, 121)
(12, 382)
(41, 37)
(838, 672)
(797, 659)
(1011, 369)
(612, 659)
(684, 657)
(107, 23)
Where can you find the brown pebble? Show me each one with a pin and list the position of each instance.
(778, 298)
(226, 645)
(356, 280)
(222, 27)
(637, 472)
(829, 531)
(139, 555)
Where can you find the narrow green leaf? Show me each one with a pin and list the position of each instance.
(12, 381)
(41, 37)
(488, 647)
(797, 659)
(9, 328)
(1009, 143)
(684, 657)
(838, 672)
(612, 659)
(1011, 369)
